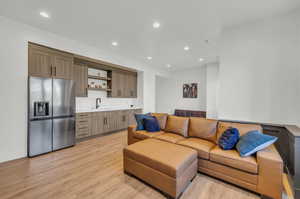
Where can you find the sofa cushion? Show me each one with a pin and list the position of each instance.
(243, 128)
(229, 139)
(140, 120)
(203, 147)
(203, 128)
(156, 154)
(151, 124)
(254, 141)
(162, 119)
(233, 159)
(169, 137)
(178, 125)
(145, 134)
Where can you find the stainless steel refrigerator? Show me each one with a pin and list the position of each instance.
(51, 123)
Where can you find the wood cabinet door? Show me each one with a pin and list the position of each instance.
(94, 124)
(81, 81)
(122, 119)
(39, 61)
(100, 122)
(125, 85)
(131, 85)
(97, 123)
(106, 122)
(116, 84)
(63, 66)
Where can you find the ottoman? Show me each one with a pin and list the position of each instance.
(166, 166)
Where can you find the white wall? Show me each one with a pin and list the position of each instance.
(169, 90)
(212, 85)
(13, 82)
(260, 71)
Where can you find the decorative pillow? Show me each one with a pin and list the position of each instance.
(229, 139)
(139, 120)
(162, 119)
(178, 125)
(254, 141)
(151, 124)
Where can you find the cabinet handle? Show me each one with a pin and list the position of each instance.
(55, 70)
(51, 70)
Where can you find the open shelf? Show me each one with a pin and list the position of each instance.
(99, 78)
(100, 89)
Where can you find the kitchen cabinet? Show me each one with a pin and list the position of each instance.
(83, 125)
(124, 84)
(80, 78)
(97, 123)
(123, 119)
(39, 61)
(62, 65)
(46, 62)
(116, 85)
(131, 88)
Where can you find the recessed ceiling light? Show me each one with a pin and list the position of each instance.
(168, 65)
(149, 58)
(114, 43)
(156, 25)
(186, 48)
(201, 59)
(44, 14)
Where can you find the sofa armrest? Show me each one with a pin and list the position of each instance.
(131, 130)
(270, 169)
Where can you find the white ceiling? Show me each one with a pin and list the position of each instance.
(190, 22)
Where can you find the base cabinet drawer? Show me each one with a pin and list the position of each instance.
(82, 134)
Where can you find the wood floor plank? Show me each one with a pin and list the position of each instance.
(93, 169)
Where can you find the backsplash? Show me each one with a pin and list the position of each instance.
(88, 103)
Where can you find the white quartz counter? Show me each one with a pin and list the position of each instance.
(106, 109)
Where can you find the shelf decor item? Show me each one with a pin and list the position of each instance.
(190, 90)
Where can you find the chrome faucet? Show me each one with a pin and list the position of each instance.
(98, 102)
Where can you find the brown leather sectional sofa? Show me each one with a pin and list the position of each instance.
(261, 173)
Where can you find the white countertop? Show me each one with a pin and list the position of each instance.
(106, 109)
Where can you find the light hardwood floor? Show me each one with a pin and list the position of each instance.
(93, 169)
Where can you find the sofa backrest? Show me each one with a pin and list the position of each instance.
(178, 125)
(162, 119)
(203, 128)
(243, 128)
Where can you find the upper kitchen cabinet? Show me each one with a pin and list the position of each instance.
(62, 65)
(131, 89)
(81, 80)
(123, 84)
(39, 61)
(46, 62)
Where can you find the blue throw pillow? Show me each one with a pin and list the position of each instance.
(229, 139)
(254, 141)
(139, 120)
(151, 124)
